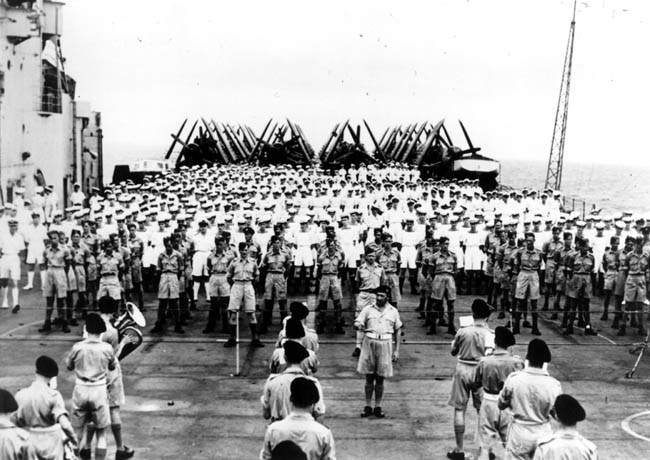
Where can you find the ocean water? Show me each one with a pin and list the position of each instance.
(610, 187)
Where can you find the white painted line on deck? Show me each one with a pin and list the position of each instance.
(625, 424)
(608, 339)
(11, 331)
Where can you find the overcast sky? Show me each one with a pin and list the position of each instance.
(496, 65)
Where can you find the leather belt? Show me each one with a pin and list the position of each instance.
(374, 335)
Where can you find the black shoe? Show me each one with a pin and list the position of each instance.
(451, 330)
(491, 456)
(604, 317)
(56, 321)
(356, 353)
(230, 343)
(47, 327)
(501, 315)
(179, 329)
(65, 328)
(157, 329)
(367, 411)
(527, 324)
(339, 330)
(431, 331)
(568, 330)
(124, 453)
(589, 331)
(553, 316)
(16, 309)
(378, 412)
(255, 343)
(85, 454)
(208, 330)
(621, 331)
(453, 455)
(535, 331)
(73, 322)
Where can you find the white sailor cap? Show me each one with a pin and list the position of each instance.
(581, 223)
(141, 218)
(619, 224)
(600, 226)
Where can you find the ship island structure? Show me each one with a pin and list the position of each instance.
(47, 137)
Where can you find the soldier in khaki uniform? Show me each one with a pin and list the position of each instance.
(530, 395)
(491, 373)
(91, 360)
(331, 264)
(390, 258)
(276, 265)
(566, 442)
(14, 441)
(242, 273)
(276, 403)
(621, 278)
(370, 275)
(425, 277)
(443, 267)
(548, 254)
(170, 265)
(504, 256)
(637, 263)
(579, 268)
(41, 411)
(57, 261)
(527, 263)
(218, 287)
(610, 264)
(469, 346)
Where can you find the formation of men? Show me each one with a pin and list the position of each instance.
(251, 237)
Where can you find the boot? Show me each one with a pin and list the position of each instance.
(212, 322)
(158, 328)
(47, 326)
(231, 342)
(178, 328)
(515, 323)
(621, 330)
(535, 330)
(450, 328)
(64, 326)
(255, 342)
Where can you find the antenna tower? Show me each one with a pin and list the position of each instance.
(556, 156)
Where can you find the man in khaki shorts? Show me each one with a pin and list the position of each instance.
(443, 266)
(91, 360)
(218, 287)
(242, 273)
(57, 261)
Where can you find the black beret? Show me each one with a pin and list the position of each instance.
(46, 367)
(288, 450)
(249, 231)
(299, 310)
(7, 402)
(480, 309)
(382, 290)
(503, 337)
(95, 324)
(294, 329)
(304, 390)
(568, 410)
(538, 351)
(294, 352)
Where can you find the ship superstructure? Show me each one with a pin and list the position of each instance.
(46, 135)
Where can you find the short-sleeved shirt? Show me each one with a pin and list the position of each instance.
(330, 263)
(565, 444)
(370, 277)
(611, 260)
(276, 263)
(80, 254)
(170, 263)
(313, 438)
(39, 406)
(580, 264)
(109, 265)
(11, 245)
(529, 260)
(56, 258)
(243, 270)
(493, 370)
(277, 392)
(470, 343)
(637, 264)
(444, 262)
(373, 319)
(390, 259)
(219, 262)
(91, 359)
(550, 248)
(530, 394)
